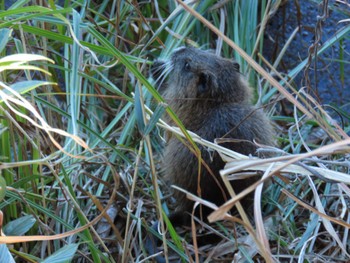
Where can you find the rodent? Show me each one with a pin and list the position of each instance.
(212, 99)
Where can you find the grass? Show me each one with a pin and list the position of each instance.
(82, 135)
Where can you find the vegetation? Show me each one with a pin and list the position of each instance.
(81, 136)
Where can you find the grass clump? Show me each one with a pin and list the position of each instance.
(80, 154)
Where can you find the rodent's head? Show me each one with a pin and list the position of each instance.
(199, 74)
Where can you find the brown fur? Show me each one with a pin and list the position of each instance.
(212, 99)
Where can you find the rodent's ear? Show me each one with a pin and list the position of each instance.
(157, 69)
(236, 65)
(207, 81)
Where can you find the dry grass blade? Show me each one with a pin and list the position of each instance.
(20, 239)
(327, 224)
(280, 165)
(325, 150)
(314, 210)
(18, 58)
(19, 100)
(259, 224)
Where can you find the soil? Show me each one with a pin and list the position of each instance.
(326, 82)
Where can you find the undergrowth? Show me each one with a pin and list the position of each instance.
(82, 135)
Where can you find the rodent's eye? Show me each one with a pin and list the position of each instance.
(187, 66)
